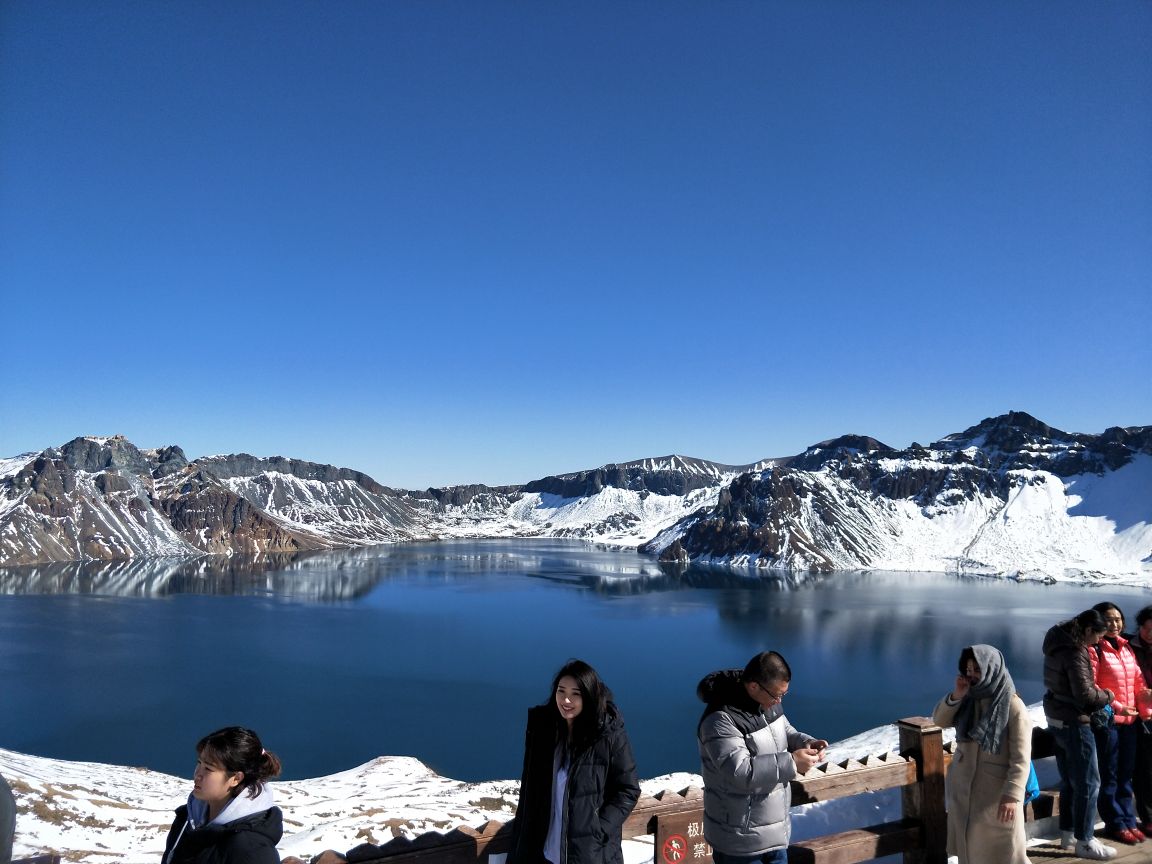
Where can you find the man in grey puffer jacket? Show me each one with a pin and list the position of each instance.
(749, 752)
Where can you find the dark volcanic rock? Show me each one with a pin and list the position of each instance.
(212, 518)
(758, 515)
(844, 448)
(243, 465)
(831, 507)
(99, 454)
(587, 483)
(462, 496)
(168, 460)
(104, 499)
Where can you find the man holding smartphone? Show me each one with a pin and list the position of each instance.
(749, 753)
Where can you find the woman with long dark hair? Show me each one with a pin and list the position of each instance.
(579, 781)
(229, 817)
(1069, 701)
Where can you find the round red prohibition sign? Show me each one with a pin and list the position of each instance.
(675, 849)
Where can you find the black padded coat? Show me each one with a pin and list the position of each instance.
(602, 790)
(1072, 693)
(250, 840)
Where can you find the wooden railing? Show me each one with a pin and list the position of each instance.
(676, 818)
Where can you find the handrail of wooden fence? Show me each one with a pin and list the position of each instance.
(676, 818)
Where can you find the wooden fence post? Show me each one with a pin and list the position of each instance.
(923, 740)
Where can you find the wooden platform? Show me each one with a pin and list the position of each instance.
(1128, 854)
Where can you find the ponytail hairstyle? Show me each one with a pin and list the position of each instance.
(596, 696)
(238, 750)
(1088, 622)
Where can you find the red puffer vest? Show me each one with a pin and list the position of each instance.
(1116, 669)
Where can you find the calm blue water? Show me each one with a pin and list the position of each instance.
(437, 650)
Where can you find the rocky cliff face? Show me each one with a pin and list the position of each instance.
(105, 499)
(669, 475)
(1008, 494)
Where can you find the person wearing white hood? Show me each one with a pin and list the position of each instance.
(229, 817)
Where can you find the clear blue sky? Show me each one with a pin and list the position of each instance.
(450, 242)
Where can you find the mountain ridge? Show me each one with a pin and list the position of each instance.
(847, 502)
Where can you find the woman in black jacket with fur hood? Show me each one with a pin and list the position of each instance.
(579, 781)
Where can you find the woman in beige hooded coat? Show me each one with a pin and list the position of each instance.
(990, 768)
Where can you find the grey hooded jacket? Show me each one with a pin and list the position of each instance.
(746, 762)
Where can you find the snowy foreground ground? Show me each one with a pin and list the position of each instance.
(91, 812)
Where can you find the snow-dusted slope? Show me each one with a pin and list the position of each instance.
(1009, 496)
(622, 505)
(620, 517)
(105, 499)
(91, 812)
(340, 512)
(90, 499)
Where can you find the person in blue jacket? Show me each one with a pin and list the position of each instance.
(230, 817)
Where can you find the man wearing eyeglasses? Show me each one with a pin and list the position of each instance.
(749, 752)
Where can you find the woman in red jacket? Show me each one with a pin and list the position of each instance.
(1115, 667)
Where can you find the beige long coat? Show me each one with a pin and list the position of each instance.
(976, 783)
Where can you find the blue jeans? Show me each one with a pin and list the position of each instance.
(774, 856)
(1079, 778)
(1116, 753)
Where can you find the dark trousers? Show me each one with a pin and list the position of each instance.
(1142, 775)
(1116, 753)
(1079, 779)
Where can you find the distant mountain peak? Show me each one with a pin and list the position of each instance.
(968, 503)
(1008, 432)
(862, 443)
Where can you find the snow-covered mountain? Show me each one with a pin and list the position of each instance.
(106, 499)
(1009, 495)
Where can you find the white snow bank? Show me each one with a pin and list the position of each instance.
(92, 812)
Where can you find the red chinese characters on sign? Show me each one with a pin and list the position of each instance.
(680, 839)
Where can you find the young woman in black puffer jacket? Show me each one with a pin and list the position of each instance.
(229, 817)
(579, 781)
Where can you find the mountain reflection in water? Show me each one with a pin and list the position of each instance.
(347, 574)
(437, 649)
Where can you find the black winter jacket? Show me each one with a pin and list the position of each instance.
(250, 840)
(1143, 652)
(1072, 692)
(602, 790)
